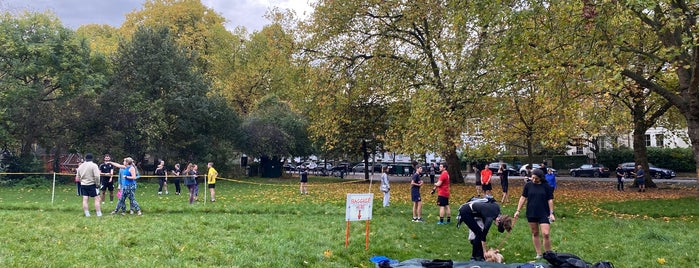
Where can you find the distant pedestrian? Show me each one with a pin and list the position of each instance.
(620, 174)
(385, 186)
(504, 177)
(162, 177)
(211, 180)
(477, 170)
(443, 193)
(551, 179)
(433, 170)
(107, 178)
(641, 178)
(89, 174)
(304, 180)
(191, 181)
(486, 174)
(415, 185)
(177, 173)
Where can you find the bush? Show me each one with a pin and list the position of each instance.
(33, 182)
(677, 159)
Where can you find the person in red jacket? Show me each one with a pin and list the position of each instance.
(486, 173)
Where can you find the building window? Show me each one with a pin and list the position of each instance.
(659, 140)
(579, 149)
(648, 140)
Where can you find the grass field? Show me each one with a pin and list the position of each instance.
(266, 223)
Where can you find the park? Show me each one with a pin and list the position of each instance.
(263, 222)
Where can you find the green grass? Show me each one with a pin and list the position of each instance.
(266, 223)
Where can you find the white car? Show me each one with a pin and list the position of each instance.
(309, 165)
(523, 169)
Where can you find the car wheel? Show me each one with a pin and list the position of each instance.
(658, 175)
(596, 174)
(523, 173)
(574, 174)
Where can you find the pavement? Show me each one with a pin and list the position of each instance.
(682, 179)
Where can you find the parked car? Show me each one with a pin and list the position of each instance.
(655, 172)
(309, 164)
(495, 166)
(325, 166)
(523, 169)
(289, 167)
(360, 167)
(592, 170)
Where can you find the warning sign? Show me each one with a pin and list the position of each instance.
(359, 207)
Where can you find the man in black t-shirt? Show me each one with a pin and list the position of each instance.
(107, 178)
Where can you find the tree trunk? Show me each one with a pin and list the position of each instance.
(640, 151)
(366, 160)
(454, 167)
(693, 132)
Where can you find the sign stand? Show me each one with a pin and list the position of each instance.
(358, 209)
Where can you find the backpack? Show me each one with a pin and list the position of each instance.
(565, 260)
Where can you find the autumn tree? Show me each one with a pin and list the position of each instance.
(427, 52)
(46, 71)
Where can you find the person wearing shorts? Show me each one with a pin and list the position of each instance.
(211, 180)
(504, 183)
(641, 178)
(89, 175)
(107, 178)
(442, 188)
(539, 197)
(486, 174)
(415, 185)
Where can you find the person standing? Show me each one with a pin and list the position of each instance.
(128, 188)
(211, 180)
(477, 171)
(385, 186)
(486, 174)
(443, 192)
(551, 179)
(415, 185)
(107, 178)
(504, 182)
(89, 174)
(304, 180)
(433, 170)
(191, 181)
(620, 174)
(539, 198)
(479, 214)
(177, 172)
(162, 177)
(641, 178)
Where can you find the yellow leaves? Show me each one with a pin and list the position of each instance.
(328, 253)
(661, 261)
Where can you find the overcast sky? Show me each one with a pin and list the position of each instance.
(73, 13)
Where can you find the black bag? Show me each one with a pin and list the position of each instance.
(565, 260)
(603, 264)
(438, 263)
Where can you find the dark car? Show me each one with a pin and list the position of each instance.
(590, 170)
(655, 172)
(289, 167)
(495, 166)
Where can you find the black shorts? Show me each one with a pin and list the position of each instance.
(107, 185)
(478, 181)
(88, 190)
(488, 187)
(212, 186)
(415, 194)
(442, 201)
(542, 220)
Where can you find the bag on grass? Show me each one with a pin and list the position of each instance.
(565, 260)
(603, 264)
(437, 263)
